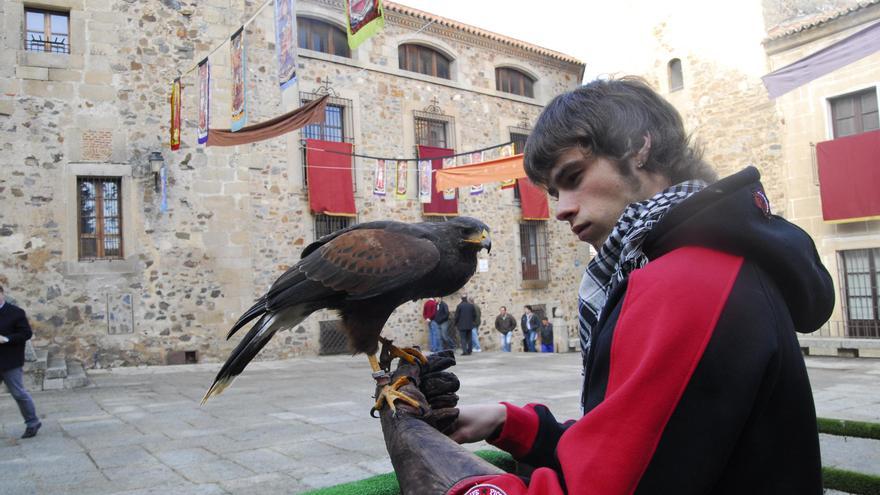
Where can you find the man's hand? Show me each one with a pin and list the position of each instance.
(479, 422)
(4, 339)
(434, 389)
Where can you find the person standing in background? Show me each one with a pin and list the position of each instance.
(441, 318)
(530, 329)
(546, 331)
(505, 323)
(428, 312)
(475, 333)
(14, 332)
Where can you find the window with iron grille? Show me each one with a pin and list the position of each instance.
(533, 250)
(337, 127)
(676, 78)
(519, 145)
(47, 31)
(322, 36)
(514, 82)
(100, 218)
(424, 60)
(861, 279)
(328, 224)
(854, 113)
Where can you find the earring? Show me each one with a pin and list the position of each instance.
(640, 164)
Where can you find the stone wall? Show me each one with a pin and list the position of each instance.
(237, 217)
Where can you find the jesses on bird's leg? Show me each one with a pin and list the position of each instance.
(381, 368)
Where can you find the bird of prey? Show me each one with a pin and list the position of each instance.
(364, 272)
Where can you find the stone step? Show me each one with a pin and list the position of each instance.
(57, 367)
(76, 375)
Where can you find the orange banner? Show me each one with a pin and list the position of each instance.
(506, 168)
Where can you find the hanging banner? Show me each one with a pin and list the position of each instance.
(365, 18)
(175, 114)
(425, 173)
(508, 150)
(477, 157)
(331, 190)
(239, 85)
(204, 100)
(449, 193)
(379, 178)
(400, 180)
(498, 170)
(163, 179)
(284, 43)
(312, 112)
(439, 205)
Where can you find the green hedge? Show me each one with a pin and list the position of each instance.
(850, 481)
(847, 428)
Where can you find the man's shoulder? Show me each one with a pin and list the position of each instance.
(11, 309)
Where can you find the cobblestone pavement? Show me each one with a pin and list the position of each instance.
(290, 426)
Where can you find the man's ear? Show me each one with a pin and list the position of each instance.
(642, 156)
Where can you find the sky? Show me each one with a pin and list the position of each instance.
(613, 36)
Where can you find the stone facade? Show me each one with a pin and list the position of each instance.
(807, 121)
(237, 217)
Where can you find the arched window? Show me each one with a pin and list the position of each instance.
(676, 80)
(322, 37)
(514, 82)
(418, 58)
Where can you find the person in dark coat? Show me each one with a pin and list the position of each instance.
(465, 319)
(530, 324)
(14, 332)
(546, 331)
(505, 323)
(441, 318)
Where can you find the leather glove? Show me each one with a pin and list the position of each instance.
(434, 389)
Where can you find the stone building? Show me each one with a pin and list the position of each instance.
(713, 74)
(834, 111)
(111, 279)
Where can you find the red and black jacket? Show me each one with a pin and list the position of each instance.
(696, 380)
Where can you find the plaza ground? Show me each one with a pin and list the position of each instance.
(290, 426)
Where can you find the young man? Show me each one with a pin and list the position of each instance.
(14, 332)
(546, 331)
(694, 379)
(505, 323)
(441, 318)
(465, 316)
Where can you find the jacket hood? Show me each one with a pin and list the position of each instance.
(733, 215)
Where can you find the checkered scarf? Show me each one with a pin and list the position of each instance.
(621, 254)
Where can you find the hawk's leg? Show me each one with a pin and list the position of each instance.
(390, 351)
(390, 393)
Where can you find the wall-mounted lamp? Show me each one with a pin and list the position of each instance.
(157, 162)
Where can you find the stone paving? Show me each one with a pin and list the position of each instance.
(290, 426)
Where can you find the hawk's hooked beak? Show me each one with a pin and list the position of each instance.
(482, 239)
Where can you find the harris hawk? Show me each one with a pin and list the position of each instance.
(364, 272)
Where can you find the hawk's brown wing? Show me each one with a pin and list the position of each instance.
(368, 262)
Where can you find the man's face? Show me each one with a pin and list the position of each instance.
(592, 193)
(503, 311)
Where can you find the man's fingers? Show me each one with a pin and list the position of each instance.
(438, 383)
(443, 401)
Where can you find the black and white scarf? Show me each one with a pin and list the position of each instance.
(621, 254)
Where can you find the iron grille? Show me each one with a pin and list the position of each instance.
(39, 44)
(328, 224)
(533, 248)
(100, 218)
(860, 275)
(338, 126)
(331, 338)
(434, 129)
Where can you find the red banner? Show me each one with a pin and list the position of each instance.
(329, 176)
(438, 205)
(533, 200)
(849, 173)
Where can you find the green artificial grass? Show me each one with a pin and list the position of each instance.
(850, 481)
(386, 484)
(847, 428)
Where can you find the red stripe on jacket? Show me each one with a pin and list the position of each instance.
(669, 312)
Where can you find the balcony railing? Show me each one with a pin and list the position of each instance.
(39, 44)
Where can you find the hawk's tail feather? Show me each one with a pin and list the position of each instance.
(252, 343)
(256, 310)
